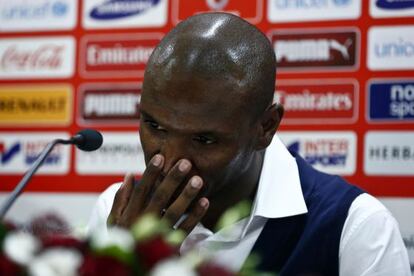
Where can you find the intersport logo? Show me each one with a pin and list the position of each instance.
(116, 55)
(124, 13)
(331, 152)
(391, 48)
(39, 15)
(318, 101)
(120, 153)
(51, 57)
(328, 49)
(19, 151)
(389, 153)
(109, 104)
(391, 8)
(251, 11)
(391, 101)
(310, 10)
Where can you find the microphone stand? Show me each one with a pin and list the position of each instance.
(28, 175)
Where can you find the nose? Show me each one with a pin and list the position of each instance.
(173, 149)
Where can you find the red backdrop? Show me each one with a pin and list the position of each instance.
(97, 70)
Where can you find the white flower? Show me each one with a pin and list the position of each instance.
(20, 247)
(56, 262)
(115, 236)
(173, 266)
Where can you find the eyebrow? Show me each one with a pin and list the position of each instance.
(205, 132)
(145, 114)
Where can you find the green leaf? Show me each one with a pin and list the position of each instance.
(234, 214)
(3, 234)
(116, 252)
(175, 237)
(250, 265)
(149, 226)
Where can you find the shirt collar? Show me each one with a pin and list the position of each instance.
(279, 191)
(279, 195)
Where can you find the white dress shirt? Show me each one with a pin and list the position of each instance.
(370, 243)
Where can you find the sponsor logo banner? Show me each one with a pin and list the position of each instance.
(116, 55)
(331, 152)
(33, 57)
(391, 8)
(98, 14)
(329, 49)
(300, 10)
(120, 153)
(391, 48)
(389, 153)
(35, 104)
(39, 15)
(109, 103)
(251, 10)
(19, 151)
(318, 101)
(391, 100)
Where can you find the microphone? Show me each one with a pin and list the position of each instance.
(86, 140)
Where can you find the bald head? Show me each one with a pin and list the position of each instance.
(217, 47)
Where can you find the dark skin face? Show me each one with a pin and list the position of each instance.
(203, 144)
(186, 120)
(215, 135)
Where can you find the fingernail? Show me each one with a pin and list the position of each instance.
(204, 203)
(157, 160)
(184, 165)
(195, 182)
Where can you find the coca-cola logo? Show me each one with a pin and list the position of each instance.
(48, 56)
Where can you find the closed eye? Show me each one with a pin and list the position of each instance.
(204, 140)
(154, 125)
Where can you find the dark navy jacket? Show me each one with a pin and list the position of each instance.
(308, 244)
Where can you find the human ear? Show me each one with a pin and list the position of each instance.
(269, 123)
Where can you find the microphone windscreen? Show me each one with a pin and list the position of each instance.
(91, 140)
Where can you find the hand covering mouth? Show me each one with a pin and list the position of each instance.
(177, 191)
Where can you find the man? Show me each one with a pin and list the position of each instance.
(207, 132)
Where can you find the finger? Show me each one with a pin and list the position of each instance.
(152, 171)
(168, 186)
(141, 189)
(121, 199)
(180, 205)
(195, 215)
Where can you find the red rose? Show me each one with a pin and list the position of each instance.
(64, 241)
(8, 225)
(103, 265)
(207, 269)
(7, 267)
(49, 224)
(153, 250)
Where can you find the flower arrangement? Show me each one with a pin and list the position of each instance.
(149, 248)
(45, 248)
